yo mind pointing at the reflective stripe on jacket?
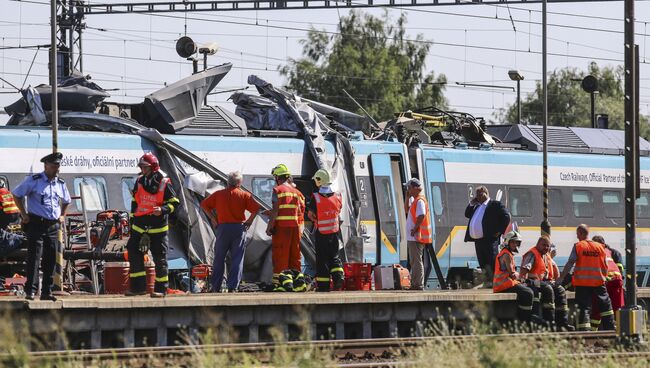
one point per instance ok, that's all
(327, 212)
(591, 267)
(8, 203)
(502, 280)
(290, 204)
(147, 201)
(423, 235)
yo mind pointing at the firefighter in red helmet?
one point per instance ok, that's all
(153, 200)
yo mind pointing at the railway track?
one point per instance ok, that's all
(347, 353)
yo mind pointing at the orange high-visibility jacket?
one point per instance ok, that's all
(147, 201)
(591, 266)
(553, 270)
(502, 280)
(540, 267)
(8, 203)
(327, 212)
(613, 272)
(423, 235)
(289, 205)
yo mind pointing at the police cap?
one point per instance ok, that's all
(53, 158)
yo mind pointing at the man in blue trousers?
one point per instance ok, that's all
(227, 209)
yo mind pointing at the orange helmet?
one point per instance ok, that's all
(148, 159)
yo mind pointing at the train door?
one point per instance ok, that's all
(435, 191)
(391, 216)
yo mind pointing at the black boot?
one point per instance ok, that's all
(562, 320)
(549, 315)
(608, 323)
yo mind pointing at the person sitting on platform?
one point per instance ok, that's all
(506, 278)
(536, 267)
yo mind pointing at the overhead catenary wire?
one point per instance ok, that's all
(448, 44)
(567, 55)
(480, 47)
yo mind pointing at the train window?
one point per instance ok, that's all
(127, 191)
(96, 198)
(386, 197)
(436, 195)
(613, 203)
(263, 188)
(519, 200)
(643, 206)
(555, 203)
(583, 203)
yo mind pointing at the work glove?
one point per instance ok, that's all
(145, 241)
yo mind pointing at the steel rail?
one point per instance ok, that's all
(341, 349)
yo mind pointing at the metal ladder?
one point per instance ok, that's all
(86, 224)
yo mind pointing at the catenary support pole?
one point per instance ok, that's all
(518, 101)
(53, 77)
(631, 318)
(58, 267)
(546, 225)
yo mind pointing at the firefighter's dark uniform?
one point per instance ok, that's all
(549, 294)
(589, 278)
(156, 188)
(326, 206)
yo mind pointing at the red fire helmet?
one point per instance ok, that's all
(148, 159)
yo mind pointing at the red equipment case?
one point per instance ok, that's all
(358, 276)
(402, 277)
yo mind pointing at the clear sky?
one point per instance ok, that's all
(472, 44)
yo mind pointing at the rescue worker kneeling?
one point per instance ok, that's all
(506, 277)
(536, 267)
(324, 210)
(154, 199)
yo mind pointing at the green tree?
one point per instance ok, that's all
(372, 59)
(570, 105)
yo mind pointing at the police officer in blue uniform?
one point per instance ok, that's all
(47, 199)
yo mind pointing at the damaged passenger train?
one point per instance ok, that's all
(370, 164)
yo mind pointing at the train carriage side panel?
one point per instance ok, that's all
(584, 188)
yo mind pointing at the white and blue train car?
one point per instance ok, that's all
(583, 188)
(107, 164)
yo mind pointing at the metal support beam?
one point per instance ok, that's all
(70, 25)
(242, 5)
(631, 319)
(546, 225)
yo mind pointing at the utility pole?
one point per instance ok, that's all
(631, 318)
(53, 75)
(546, 225)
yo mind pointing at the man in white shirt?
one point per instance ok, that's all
(488, 219)
(418, 231)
